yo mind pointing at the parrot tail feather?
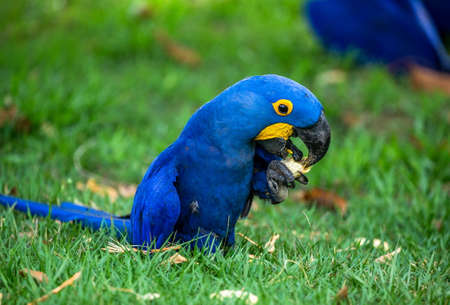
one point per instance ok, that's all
(67, 211)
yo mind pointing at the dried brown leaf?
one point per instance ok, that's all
(10, 191)
(437, 223)
(429, 80)
(342, 293)
(248, 239)
(10, 115)
(177, 51)
(99, 189)
(124, 190)
(116, 247)
(351, 119)
(165, 249)
(127, 190)
(416, 142)
(270, 245)
(388, 257)
(322, 198)
(175, 259)
(66, 283)
(37, 275)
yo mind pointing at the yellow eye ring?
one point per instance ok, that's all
(283, 107)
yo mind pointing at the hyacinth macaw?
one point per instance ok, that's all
(229, 150)
(396, 32)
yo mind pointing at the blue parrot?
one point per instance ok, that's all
(397, 32)
(229, 151)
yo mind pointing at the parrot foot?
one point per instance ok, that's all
(279, 179)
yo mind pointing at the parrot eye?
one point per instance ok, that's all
(283, 107)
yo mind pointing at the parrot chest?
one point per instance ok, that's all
(213, 187)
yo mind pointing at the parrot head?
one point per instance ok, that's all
(269, 109)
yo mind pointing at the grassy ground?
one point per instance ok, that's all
(90, 76)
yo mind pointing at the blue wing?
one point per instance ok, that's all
(156, 206)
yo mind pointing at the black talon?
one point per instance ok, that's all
(302, 179)
(281, 173)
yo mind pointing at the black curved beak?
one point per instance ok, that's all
(316, 138)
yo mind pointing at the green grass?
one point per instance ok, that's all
(91, 74)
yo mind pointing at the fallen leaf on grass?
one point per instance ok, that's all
(9, 114)
(387, 257)
(99, 189)
(176, 259)
(249, 297)
(1, 298)
(37, 275)
(248, 239)
(351, 119)
(342, 294)
(127, 190)
(437, 223)
(322, 198)
(180, 53)
(116, 247)
(10, 191)
(143, 297)
(429, 80)
(416, 142)
(124, 190)
(66, 283)
(270, 245)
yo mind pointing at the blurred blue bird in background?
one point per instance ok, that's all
(395, 32)
(229, 151)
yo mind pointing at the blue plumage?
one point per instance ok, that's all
(197, 188)
(397, 32)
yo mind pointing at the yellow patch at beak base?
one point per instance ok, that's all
(278, 130)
